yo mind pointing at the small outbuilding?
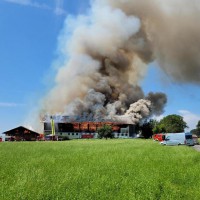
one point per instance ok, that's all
(22, 134)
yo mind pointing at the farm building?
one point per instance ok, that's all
(75, 130)
(21, 134)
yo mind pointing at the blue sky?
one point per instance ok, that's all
(28, 43)
(29, 31)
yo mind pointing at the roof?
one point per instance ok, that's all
(20, 129)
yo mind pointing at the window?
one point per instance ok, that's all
(47, 126)
(188, 136)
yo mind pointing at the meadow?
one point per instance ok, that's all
(118, 169)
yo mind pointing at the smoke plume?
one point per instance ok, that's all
(108, 52)
(171, 31)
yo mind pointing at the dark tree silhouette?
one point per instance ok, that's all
(105, 132)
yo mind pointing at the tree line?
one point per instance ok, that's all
(169, 124)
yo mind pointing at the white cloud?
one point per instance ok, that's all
(6, 104)
(190, 118)
(29, 3)
(24, 2)
(59, 8)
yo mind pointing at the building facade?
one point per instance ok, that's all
(77, 130)
(21, 134)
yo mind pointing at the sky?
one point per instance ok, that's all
(29, 34)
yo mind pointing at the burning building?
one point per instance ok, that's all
(76, 129)
(87, 124)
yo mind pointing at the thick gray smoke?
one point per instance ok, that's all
(171, 32)
(137, 111)
(108, 54)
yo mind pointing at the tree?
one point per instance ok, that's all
(173, 124)
(147, 128)
(159, 128)
(197, 130)
(198, 125)
(105, 132)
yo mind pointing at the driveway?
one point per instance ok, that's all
(197, 147)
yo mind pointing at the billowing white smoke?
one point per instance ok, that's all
(136, 112)
(98, 64)
(109, 49)
(139, 110)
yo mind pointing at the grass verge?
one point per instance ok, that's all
(98, 169)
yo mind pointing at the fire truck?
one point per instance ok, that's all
(159, 137)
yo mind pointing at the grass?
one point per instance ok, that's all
(98, 169)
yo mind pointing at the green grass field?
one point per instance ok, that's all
(98, 169)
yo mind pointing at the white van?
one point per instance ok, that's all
(178, 139)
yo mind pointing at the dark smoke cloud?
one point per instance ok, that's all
(157, 101)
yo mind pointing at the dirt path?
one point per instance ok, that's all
(197, 147)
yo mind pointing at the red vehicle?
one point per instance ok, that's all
(41, 137)
(159, 137)
(87, 136)
(1, 139)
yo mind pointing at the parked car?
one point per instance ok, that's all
(195, 139)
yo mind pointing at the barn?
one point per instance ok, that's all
(21, 134)
(76, 130)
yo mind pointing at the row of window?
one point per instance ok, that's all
(76, 134)
(118, 134)
(70, 133)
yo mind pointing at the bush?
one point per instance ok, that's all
(105, 132)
